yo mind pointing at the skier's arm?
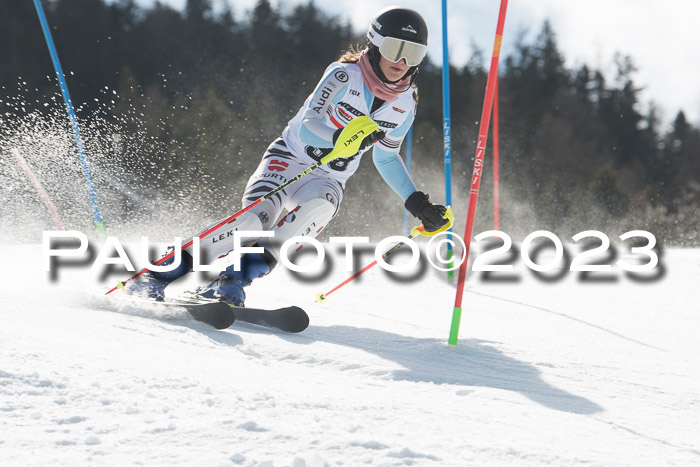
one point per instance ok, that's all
(390, 164)
(393, 170)
(315, 130)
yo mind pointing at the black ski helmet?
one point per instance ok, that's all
(397, 33)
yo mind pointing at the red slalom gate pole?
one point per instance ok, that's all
(478, 167)
(496, 196)
(39, 188)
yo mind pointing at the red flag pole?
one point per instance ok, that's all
(39, 188)
(478, 167)
(496, 197)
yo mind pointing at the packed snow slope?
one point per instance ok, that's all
(547, 372)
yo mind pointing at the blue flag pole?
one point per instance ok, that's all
(71, 113)
(446, 128)
(409, 140)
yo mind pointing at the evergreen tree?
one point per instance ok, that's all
(207, 92)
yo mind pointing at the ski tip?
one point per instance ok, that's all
(226, 317)
(288, 319)
(294, 320)
(299, 320)
(320, 298)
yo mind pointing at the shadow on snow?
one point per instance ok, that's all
(473, 363)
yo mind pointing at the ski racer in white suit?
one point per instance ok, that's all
(377, 81)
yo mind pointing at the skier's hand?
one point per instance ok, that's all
(371, 139)
(431, 215)
(367, 142)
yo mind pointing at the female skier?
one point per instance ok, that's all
(378, 82)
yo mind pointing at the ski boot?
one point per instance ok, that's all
(152, 284)
(228, 287)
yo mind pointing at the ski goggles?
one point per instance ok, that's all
(395, 49)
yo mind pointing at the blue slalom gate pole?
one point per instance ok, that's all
(446, 128)
(71, 113)
(409, 140)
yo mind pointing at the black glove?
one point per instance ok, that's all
(369, 139)
(372, 138)
(431, 215)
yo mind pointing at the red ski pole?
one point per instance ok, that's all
(419, 230)
(478, 167)
(321, 297)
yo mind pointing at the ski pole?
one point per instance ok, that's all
(347, 145)
(419, 230)
(321, 297)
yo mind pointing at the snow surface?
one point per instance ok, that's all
(562, 372)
